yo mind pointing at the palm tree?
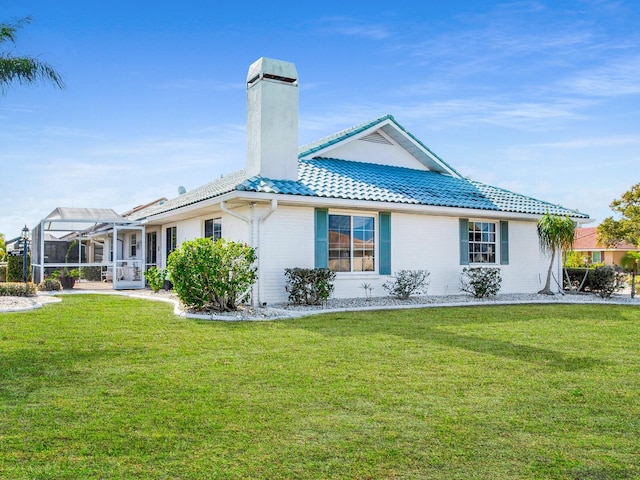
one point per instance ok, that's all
(555, 233)
(631, 263)
(23, 70)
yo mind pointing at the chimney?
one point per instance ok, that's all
(272, 119)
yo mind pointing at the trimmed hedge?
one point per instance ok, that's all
(481, 282)
(602, 280)
(50, 285)
(408, 282)
(14, 268)
(14, 289)
(309, 286)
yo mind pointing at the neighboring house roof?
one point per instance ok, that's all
(323, 177)
(158, 201)
(218, 187)
(586, 238)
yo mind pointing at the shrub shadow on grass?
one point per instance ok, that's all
(424, 326)
(514, 351)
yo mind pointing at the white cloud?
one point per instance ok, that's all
(355, 28)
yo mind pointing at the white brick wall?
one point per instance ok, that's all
(417, 242)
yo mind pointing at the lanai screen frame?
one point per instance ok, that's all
(77, 223)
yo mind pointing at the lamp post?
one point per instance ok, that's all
(25, 251)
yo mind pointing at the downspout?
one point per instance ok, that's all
(267, 214)
(253, 223)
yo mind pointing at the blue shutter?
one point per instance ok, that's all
(464, 241)
(321, 238)
(504, 243)
(384, 219)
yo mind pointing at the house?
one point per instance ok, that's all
(586, 242)
(365, 202)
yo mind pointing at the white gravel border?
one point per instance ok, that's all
(285, 311)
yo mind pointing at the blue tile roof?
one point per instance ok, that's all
(335, 178)
(439, 186)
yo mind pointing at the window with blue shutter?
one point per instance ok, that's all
(464, 241)
(384, 219)
(504, 243)
(321, 238)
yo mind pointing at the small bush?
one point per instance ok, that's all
(155, 278)
(17, 290)
(50, 285)
(481, 282)
(309, 286)
(66, 273)
(407, 283)
(212, 276)
(91, 274)
(606, 281)
(577, 277)
(3, 272)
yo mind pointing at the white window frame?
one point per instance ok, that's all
(352, 258)
(217, 221)
(133, 245)
(484, 240)
(168, 248)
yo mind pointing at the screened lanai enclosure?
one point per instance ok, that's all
(98, 243)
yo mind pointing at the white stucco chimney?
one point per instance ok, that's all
(272, 119)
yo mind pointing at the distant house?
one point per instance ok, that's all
(586, 242)
(365, 202)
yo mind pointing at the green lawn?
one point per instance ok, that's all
(113, 387)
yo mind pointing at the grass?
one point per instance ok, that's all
(111, 387)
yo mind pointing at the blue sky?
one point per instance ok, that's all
(539, 97)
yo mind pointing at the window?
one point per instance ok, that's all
(482, 242)
(133, 245)
(596, 257)
(351, 243)
(172, 239)
(213, 229)
(152, 245)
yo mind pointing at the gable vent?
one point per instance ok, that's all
(375, 137)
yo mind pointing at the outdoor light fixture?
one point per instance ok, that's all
(25, 244)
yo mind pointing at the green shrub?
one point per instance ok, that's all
(50, 285)
(577, 279)
(15, 266)
(65, 272)
(575, 259)
(309, 286)
(481, 282)
(3, 272)
(407, 283)
(12, 289)
(155, 278)
(606, 280)
(210, 275)
(91, 274)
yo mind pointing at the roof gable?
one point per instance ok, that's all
(382, 141)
